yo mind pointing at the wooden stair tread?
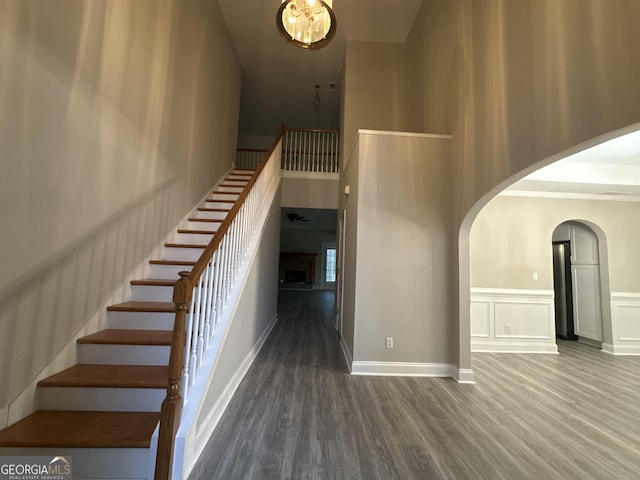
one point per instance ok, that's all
(184, 245)
(109, 376)
(173, 262)
(128, 337)
(204, 209)
(205, 220)
(219, 192)
(72, 429)
(133, 306)
(183, 230)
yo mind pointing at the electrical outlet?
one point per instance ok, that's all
(507, 329)
(535, 276)
(389, 342)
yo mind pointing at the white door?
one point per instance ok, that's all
(586, 301)
(585, 278)
(339, 270)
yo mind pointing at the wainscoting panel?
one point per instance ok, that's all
(625, 312)
(510, 320)
(481, 315)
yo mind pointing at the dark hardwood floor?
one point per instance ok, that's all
(298, 414)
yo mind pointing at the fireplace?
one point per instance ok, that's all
(297, 270)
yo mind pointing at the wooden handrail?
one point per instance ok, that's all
(182, 294)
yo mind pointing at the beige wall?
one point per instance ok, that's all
(310, 192)
(373, 90)
(507, 246)
(401, 248)
(115, 117)
(515, 82)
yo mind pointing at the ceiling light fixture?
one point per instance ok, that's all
(308, 24)
(316, 97)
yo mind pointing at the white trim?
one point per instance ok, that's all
(403, 134)
(511, 292)
(626, 335)
(621, 349)
(403, 369)
(482, 346)
(465, 376)
(348, 358)
(625, 296)
(311, 175)
(491, 323)
(206, 428)
(569, 196)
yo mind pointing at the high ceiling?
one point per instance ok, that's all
(610, 170)
(278, 80)
(278, 85)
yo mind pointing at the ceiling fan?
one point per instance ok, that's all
(295, 217)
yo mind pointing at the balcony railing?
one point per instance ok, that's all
(303, 150)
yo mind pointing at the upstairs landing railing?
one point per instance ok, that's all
(200, 297)
(303, 150)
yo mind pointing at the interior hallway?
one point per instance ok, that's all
(298, 414)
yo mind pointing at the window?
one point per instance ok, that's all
(329, 258)
(330, 262)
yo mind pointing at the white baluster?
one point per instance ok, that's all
(209, 301)
(202, 301)
(217, 288)
(195, 328)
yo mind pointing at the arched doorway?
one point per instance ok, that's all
(577, 271)
(537, 275)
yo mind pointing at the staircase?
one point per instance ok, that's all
(104, 411)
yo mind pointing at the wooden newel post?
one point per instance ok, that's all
(172, 404)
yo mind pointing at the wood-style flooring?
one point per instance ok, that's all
(298, 414)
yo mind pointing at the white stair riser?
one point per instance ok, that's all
(230, 189)
(94, 463)
(228, 197)
(211, 215)
(101, 399)
(213, 226)
(141, 320)
(186, 254)
(99, 354)
(169, 272)
(194, 238)
(151, 293)
(217, 204)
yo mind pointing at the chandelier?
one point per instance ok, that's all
(308, 24)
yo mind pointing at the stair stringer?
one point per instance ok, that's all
(26, 402)
(194, 430)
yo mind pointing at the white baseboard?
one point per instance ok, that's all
(464, 375)
(206, 428)
(621, 349)
(402, 369)
(512, 347)
(348, 358)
